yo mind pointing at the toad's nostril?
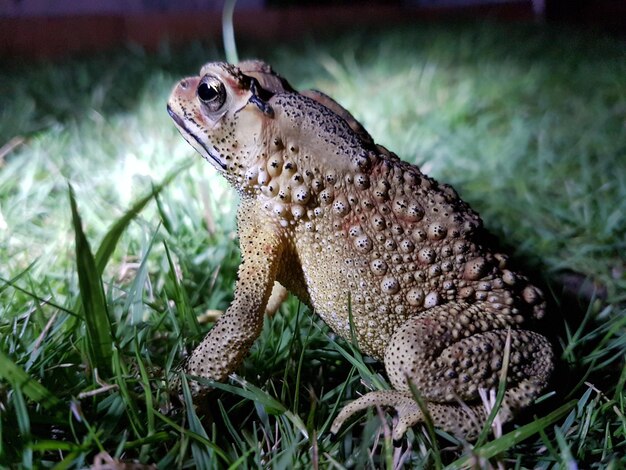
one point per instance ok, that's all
(184, 85)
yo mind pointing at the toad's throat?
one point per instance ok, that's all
(186, 133)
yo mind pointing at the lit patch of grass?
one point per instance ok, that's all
(528, 125)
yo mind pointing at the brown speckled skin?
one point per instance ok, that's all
(340, 221)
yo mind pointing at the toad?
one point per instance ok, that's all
(384, 254)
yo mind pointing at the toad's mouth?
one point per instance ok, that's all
(197, 144)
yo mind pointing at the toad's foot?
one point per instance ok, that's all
(465, 421)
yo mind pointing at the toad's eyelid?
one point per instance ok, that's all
(211, 81)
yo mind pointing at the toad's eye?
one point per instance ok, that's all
(211, 93)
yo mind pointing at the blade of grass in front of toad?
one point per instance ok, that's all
(427, 422)
(201, 454)
(514, 437)
(99, 333)
(500, 391)
(364, 371)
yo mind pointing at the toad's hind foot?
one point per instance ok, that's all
(463, 421)
(409, 413)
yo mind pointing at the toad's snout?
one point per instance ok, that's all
(185, 90)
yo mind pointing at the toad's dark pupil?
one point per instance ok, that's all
(206, 92)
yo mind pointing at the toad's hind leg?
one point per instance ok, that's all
(448, 356)
(463, 420)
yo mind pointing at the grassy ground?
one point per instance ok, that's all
(529, 125)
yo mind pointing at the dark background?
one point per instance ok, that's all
(56, 28)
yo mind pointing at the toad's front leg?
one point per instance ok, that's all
(224, 347)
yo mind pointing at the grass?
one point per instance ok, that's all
(100, 288)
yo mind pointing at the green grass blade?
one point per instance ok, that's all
(23, 425)
(130, 404)
(41, 300)
(145, 383)
(500, 392)
(135, 295)
(110, 239)
(201, 438)
(67, 462)
(19, 378)
(364, 371)
(234, 433)
(11, 282)
(201, 456)
(99, 333)
(154, 438)
(259, 396)
(51, 445)
(180, 298)
(428, 423)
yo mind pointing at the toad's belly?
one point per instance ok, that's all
(345, 293)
